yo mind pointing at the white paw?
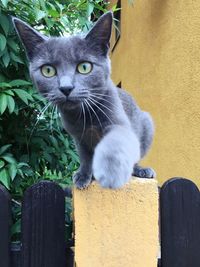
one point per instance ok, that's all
(111, 172)
(113, 162)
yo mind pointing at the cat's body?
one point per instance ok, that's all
(110, 131)
(126, 113)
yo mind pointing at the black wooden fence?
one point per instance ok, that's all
(180, 223)
(43, 243)
(43, 229)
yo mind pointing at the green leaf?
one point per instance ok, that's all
(16, 58)
(2, 77)
(2, 163)
(54, 13)
(42, 3)
(9, 159)
(19, 83)
(4, 85)
(4, 2)
(10, 103)
(12, 44)
(64, 157)
(3, 103)
(23, 95)
(12, 170)
(2, 42)
(40, 14)
(16, 227)
(9, 92)
(21, 173)
(73, 155)
(4, 178)
(90, 8)
(48, 157)
(6, 59)
(22, 164)
(54, 141)
(4, 148)
(4, 22)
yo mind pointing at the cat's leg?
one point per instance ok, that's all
(114, 157)
(83, 177)
(141, 172)
(147, 133)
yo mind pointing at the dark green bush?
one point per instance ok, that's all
(33, 144)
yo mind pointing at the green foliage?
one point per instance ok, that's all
(33, 144)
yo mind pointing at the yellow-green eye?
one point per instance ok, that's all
(84, 67)
(48, 71)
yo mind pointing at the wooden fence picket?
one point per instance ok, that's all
(5, 222)
(180, 224)
(43, 226)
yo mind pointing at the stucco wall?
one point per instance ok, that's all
(117, 228)
(158, 61)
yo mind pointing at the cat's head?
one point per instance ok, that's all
(68, 70)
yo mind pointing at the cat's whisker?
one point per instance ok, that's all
(99, 103)
(51, 118)
(104, 97)
(101, 98)
(27, 107)
(84, 120)
(56, 100)
(46, 94)
(94, 114)
(79, 115)
(53, 97)
(97, 88)
(91, 100)
(100, 94)
(58, 125)
(86, 103)
(38, 119)
(83, 93)
(43, 110)
(88, 109)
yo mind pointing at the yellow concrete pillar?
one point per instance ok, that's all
(117, 228)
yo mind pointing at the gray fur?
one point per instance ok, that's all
(110, 131)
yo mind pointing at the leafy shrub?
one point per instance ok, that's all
(33, 144)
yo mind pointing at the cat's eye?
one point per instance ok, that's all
(84, 67)
(48, 71)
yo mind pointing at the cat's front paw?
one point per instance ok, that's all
(111, 171)
(143, 172)
(106, 180)
(82, 180)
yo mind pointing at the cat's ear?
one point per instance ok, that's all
(100, 34)
(29, 37)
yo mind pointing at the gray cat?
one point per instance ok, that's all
(111, 132)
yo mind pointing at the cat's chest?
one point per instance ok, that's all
(84, 131)
(92, 136)
(85, 128)
(88, 134)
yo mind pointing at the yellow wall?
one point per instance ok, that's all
(158, 61)
(117, 228)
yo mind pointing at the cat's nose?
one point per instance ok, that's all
(66, 90)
